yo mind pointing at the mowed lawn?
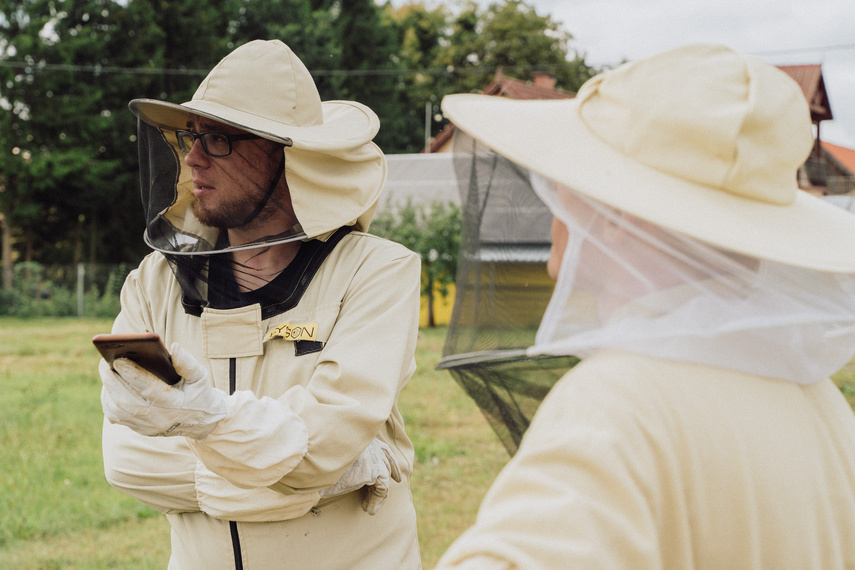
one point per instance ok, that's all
(58, 511)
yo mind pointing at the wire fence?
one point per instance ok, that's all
(82, 290)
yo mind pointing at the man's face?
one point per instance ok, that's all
(559, 245)
(229, 188)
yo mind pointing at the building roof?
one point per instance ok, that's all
(845, 157)
(419, 178)
(809, 78)
(542, 87)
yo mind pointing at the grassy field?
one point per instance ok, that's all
(58, 512)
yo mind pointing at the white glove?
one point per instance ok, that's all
(371, 470)
(136, 398)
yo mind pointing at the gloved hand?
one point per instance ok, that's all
(136, 398)
(371, 470)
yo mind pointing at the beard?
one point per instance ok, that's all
(237, 212)
(228, 214)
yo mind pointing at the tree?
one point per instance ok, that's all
(433, 232)
(306, 26)
(68, 156)
(422, 33)
(461, 52)
(70, 183)
(369, 57)
(511, 36)
(45, 130)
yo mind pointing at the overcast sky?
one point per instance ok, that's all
(783, 32)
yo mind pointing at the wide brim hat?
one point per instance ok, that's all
(334, 171)
(701, 140)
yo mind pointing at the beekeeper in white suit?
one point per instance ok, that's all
(294, 331)
(700, 429)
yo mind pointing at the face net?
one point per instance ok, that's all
(629, 284)
(502, 291)
(193, 247)
(624, 284)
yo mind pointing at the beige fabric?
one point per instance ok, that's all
(335, 535)
(263, 87)
(374, 469)
(637, 463)
(345, 395)
(700, 139)
(232, 333)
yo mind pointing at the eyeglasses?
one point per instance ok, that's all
(214, 144)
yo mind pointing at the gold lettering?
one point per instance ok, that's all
(287, 331)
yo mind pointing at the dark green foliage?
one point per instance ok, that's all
(432, 231)
(42, 291)
(369, 55)
(69, 187)
(460, 52)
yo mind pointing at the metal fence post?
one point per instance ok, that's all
(81, 274)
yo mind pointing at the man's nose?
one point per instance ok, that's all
(197, 155)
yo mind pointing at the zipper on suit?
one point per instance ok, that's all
(232, 524)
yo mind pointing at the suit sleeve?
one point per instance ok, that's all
(159, 472)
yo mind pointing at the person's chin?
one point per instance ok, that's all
(204, 215)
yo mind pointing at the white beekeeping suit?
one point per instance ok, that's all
(709, 299)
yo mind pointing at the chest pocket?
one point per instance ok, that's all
(232, 333)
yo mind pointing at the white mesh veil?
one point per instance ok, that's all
(627, 284)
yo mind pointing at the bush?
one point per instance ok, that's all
(52, 291)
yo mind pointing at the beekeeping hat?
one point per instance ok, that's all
(333, 169)
(701, 140)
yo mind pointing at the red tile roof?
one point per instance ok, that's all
(809, 78)
(511, 88)
(523, 90)
(844, 156)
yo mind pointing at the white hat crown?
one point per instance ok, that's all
(732, 121)
(700, 139)
(265, 79)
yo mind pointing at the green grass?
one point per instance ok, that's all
(845, 380)
(52, 486)
(58, 511)
(457, 453)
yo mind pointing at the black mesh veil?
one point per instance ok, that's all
(502, 292)
(191, 247)
(159, 169)
(166, 186)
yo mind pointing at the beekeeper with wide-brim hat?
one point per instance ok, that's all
(709, 299)
(333, 169)
(292, 329)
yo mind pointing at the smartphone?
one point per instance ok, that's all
(146, 349)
